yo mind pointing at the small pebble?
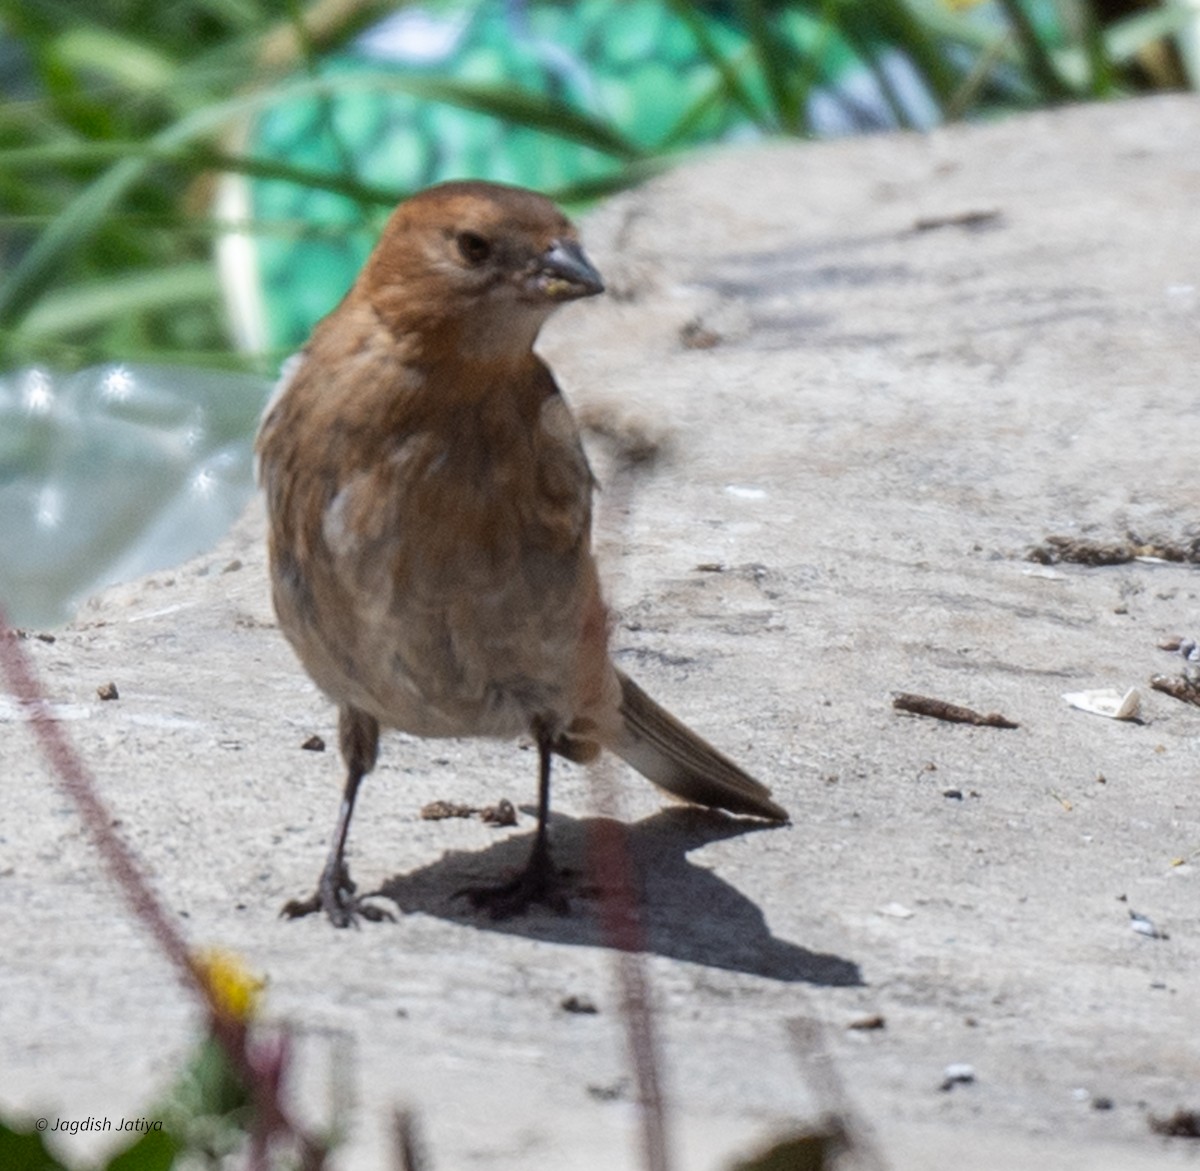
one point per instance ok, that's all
(313, 744)
(441, 810)
(610, 1093)
(108, 691)
(502, 813)
(1182, 1124)
(695, 336)
(582, 1005)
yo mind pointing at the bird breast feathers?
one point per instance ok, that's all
(436, 509)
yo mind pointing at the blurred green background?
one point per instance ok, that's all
(185, 188)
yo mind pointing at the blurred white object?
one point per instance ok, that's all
(1189, 651)
(115, 471)
(1105, 701)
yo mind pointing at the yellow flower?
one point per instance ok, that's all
(234, 991)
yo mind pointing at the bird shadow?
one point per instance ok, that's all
(687, 912)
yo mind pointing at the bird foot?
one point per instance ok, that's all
(335, 895)
(539, 882)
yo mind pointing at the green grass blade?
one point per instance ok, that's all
(1127, 37)
(965, 96)
(1096, 64)
(865, 48)
(728, 71)
(893, 23)
(193, 158)
(774, 61)
(75, 308)
(1101, 73)
(1038, 61)
(131, 64)
(519, 107)
(701, 107)
(38, 267)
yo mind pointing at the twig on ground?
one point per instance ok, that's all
(940, 709)
(1177, 687)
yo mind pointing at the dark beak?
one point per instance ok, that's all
(564, 273)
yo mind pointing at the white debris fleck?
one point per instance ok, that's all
(957, 1073)
(1144, 925)
(1189, 651)
(746, 491)
(1108, 702)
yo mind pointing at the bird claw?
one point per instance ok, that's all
(537, 883)
(335, 895)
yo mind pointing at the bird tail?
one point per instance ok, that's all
(670, 754)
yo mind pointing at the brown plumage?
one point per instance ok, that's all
(430, 520)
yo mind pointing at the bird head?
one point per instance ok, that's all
(477, 265)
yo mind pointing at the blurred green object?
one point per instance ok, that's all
(113, 472)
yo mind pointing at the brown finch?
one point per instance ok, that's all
(430, 521)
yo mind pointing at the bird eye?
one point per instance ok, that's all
(473, 248)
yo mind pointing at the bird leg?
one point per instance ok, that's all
(539, 881)
(335, 893)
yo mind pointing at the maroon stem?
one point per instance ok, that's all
(612, 869)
